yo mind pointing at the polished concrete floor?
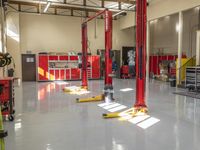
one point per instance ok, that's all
(48, 119)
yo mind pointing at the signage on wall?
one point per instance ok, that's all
(30, 59)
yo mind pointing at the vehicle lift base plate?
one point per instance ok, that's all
(135, 111)
(90, 99)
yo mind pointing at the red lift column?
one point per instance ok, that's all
(108, 89)
(141, 8)
(84, 56)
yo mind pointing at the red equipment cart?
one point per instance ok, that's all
(7, 97)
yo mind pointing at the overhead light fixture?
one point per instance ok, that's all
(118, 13)
(123, 12)
(47, 6)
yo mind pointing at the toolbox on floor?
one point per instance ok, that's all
(7, 97)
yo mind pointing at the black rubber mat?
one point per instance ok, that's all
(189, 94)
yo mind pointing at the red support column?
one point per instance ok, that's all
(84, 56)
(108, 89)
(141, 8)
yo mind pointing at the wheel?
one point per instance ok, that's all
(11, 118)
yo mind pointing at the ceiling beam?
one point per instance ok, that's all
(79, 7)
(84, 2)
(119, 5)
(52, 6)
(123, 1)
(102, 3)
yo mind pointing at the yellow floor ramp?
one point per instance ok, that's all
(90, 99)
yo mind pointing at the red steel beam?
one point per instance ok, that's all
(95, 16)
(141, 19)
(108, 88)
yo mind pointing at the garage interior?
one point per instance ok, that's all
(100, 75)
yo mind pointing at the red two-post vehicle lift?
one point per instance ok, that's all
(108, 89)
(139, 107)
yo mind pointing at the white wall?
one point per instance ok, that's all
(127, 21)
(13, 40)
(49, 33)
(58, 33)
(160, 8)
(163, 34)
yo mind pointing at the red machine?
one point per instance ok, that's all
(108, 89)
(141, 19)
(7, 97)
(125, 72)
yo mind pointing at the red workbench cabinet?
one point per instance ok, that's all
(73, 58)
(47, 72)
(7, 97)
(62, 74)
(68, 74)
(43, 74)
(75, 74)
(95, 62)
(52, 74)
(63, 58)
(53, 57)
(57, 74)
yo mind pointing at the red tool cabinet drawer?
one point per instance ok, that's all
(67, 74)
(57, 74)
(52, 74)
(73, 58)
(75, 73)
(53, 57)
(63, 57)
(62, 74)
(43, 68)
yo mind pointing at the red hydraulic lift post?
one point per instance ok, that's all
(108, 89)
(141, 19)
(84, 56)
(84, 50)
(139, 107)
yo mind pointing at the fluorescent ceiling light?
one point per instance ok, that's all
(47, 6)
(118, 13)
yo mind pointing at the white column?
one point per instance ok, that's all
(198, 48)
(180, 39)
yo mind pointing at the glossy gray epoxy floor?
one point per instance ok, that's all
(48, 119)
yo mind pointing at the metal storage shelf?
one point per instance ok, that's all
(192, 80)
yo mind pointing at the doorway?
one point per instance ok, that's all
(28, 67)
(125, 51)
